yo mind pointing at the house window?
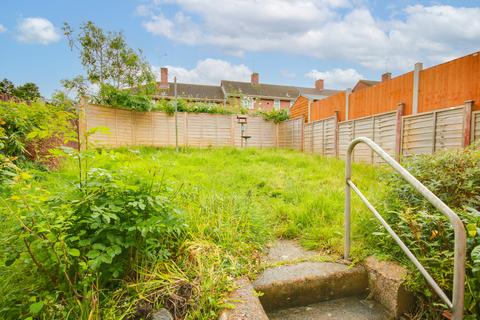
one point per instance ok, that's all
(248, 103)
(276, 104)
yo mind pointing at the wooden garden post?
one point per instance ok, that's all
(398, 131)
(467, 132)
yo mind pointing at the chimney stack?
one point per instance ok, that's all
(386, 76)
(255, 78)
(319, 84)
(163, 78)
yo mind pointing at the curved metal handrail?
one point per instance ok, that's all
(460, 237)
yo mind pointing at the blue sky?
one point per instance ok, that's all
(286, 41)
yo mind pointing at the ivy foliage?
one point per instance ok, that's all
(276, 116)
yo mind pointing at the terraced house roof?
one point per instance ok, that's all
(237, 88)
(191, 91)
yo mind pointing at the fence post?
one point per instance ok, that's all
(416, 82)
(302, 129)
(336, 136)
(309, 110)
(185, 132)
(276, 134)
(347, 103)
(398, 131)
(467, 125)
(82, 124)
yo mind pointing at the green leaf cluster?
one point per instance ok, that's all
(454, 176)
(81, 241)
(276, 116)
(168, 106)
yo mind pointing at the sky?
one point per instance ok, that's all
(290, 42)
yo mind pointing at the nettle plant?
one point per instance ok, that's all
(88, 236)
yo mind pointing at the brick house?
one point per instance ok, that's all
(254, 95)
(251, 95)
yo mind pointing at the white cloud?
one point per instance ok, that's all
(37, 30)
(2, 28)
(324, 29)
(336, 78)
(209, 71)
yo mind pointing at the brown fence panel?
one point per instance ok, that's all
(345, 136)
(320, 137)
(308, 138)
(428, 132)
(327, 107)
(300, 108)
(476, 126)
(262, 133)
(385, 128)
(290, 134)
(450, 84)
(380, 128)
(126, 127)
(383, 97)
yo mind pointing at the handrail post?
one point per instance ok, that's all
(347, 213)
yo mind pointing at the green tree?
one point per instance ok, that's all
(107, 59)
(28, 92)
(7, 87)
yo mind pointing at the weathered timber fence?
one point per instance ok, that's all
(380, 128)
(126, 128)
(398, 135)
(320, 137)
(290, 134)
(476, 126)
(432, 131)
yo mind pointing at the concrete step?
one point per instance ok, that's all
(309, 282)
(350, 308)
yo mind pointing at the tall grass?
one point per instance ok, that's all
(234, 202)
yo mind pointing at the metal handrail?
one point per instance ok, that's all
(456, 305)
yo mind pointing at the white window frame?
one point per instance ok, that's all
(248, 102)
(277, 104)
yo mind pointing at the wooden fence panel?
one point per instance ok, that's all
(427, 132)
(380, 128)
(262, 133)
(476, 126)
(128, 127)
(345, 136)
(449, 129)
(290, 134)
(308, 138)
(318, 141)
(385, 128)
(320, 137)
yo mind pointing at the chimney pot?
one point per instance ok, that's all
(386, 76)
(163, 77)
(319, 84)
(255, 78)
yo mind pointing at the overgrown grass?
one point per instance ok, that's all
(234, 202)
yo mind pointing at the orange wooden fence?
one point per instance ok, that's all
(442, 86)
(327, 107)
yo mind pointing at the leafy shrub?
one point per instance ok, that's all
(28, 130)
(274, 115)
(195, 107)
(454, 176)
(111, 96)
(85, 240)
